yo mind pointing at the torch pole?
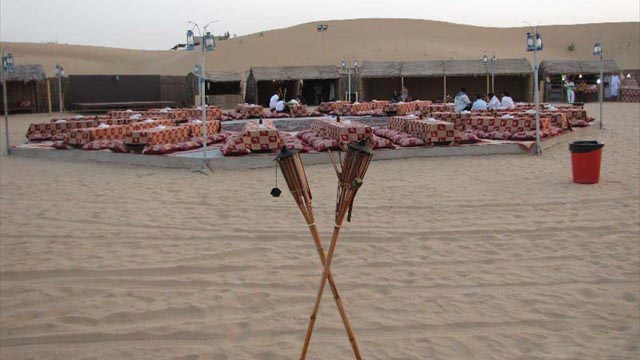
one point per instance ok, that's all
(6, 112)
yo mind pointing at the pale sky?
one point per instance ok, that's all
(159, 24)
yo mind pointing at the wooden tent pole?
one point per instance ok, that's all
(49, 95)
(444, 93)
(487, 84)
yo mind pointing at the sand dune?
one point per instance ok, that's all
(497, 257)
(364, 39)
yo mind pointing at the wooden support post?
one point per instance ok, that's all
(487, 84)
(444, 91)
(49, 96)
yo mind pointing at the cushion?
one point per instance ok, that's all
(61, 145)
(118, 146)
(97, 145)
(498, 135)
(234, 146)
(467, 137)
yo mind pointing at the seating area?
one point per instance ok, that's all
(163, 131)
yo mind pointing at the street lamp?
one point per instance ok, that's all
(321, 28)
(207, 43)
(7, 64)
(534, 43)
(597, 51)
(59, 75)
(349, 65)
(494, 60)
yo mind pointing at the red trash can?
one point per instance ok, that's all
(586, 157)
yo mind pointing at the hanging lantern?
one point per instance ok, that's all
(7, 62)
(539, 42)
(597, 49)
(343, 64)
(196, 69)
(494, 59)
(209, 42)
(485, 59)
(191, 41)
(530, 45)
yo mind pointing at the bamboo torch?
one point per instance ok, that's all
(350, 178)
(296, 178)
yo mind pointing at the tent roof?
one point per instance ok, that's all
(295, 72)
(371, 69)
(25, 73)
(222, 76)
(570, 67)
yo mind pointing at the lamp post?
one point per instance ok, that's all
(534, 43)
(597, 51)
(59, 75)
(349, 65)
(321, 28)
(207, 43)
(485, 60)
(7, 64)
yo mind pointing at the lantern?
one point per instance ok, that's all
(539, 44)
(485, 59)
(7, 62)
(530, 45)
(191, 42)
(597, 49)
(209, 42)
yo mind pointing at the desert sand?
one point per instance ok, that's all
(360, 39)
(491, 257)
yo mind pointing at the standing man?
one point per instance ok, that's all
(615, 85)
(571, 94)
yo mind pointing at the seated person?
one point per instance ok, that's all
(507, 101)
(396, 97)
(274, 99)
(301, 100)
(479, 104)
(494, 102)
(462, 101)
(280, 106)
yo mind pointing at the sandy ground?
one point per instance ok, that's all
(359, 39)
(496, 257)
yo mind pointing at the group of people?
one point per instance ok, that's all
(403, 96)
(278, 103)
(490, 102)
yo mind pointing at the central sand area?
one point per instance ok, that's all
(496, 257)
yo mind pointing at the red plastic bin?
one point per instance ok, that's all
(586, 157)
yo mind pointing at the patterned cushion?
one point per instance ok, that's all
(61, 145)
(160, 149)
(96, 145)
(468, 137)
(526, 135)
(382, 143)
(234, 146)
(118, 146)
(499, 135)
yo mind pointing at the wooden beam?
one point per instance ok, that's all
(49, 96)
(487, 84)
(444, 92)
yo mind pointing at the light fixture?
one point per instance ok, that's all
(580, 76)
(598, 81)
(485, 59)
(629, 76)
(355, 64)
(343, 64)
(59, 70)
(322, 27)
(196, 69)
(530, 46)
(494, 59)
(191, 42)
(597, 49)
(7, 61)
(539, 44)
(209, 42)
